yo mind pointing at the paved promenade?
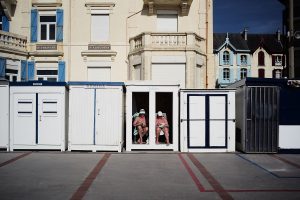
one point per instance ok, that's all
(148, 175)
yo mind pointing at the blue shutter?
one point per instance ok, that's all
(249, 72)
(248, 60)
(61, 71)
(31, 70)
(5, 24)
(59, 25)
(23, 70)
(221, 58)
(231, 72)
(231, 58)
(238, 59)
(238, 74)
(34, 22)
(220, 80)
(2, 67)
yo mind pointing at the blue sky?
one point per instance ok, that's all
(260, 16)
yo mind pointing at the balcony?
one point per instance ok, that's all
(184, 5)
(166, 42)
(13, 43)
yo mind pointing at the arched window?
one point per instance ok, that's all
(226, 74)
(261, 73)
(261, 58)
(226, 57)
(243, 73)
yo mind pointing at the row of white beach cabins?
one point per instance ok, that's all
(98, 116)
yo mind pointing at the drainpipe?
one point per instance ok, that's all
(291, 35)
(206, 73)
(127, 60)
(70, 41)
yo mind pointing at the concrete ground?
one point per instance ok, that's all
(148, 175)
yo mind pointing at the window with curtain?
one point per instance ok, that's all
(277, 73)
(261, 58)
(243, 60)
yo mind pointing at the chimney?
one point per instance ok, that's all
(278, 35)
(245, 33)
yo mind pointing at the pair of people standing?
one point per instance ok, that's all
(161, 124)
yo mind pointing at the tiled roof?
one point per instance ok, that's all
(268, 41)
(234, 38)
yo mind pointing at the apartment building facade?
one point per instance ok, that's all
(115, 40)
(240, 55)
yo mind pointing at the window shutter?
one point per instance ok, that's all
(61, 71)
(220, 75)
(231, 58)
(59, 25)
(248, 60)
(30, 70)
(238, 59)
(238, 74)
(249, 72)
(34, 21)
(273, 60)
(23, 70)
(5, 24)
(221, 58)
(283, 60)
(2, 67)
(231, 74)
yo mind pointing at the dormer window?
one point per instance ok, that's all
(243, 73)
(226, 74)
(226, 58)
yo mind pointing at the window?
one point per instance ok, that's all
(226, 58)
(47, 74)
(276, 60)
(167, 21)
(277, 73)
(11, 75)
(261, 73)
(47, 26)
(99, 25)
(243, 73)
(99, 73)
(261, 58)
(243, 60)
(226, 74)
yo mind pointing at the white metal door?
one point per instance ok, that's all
(82, 115)
(108, 116)
(217, 120)
(24, 119)
(49, 119)
(197, 119)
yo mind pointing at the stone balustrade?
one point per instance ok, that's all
(13, 42)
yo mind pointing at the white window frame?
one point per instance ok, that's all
(243, 73)
(278, 60)
(104, 12)
(226, 61)
(45, 77)
(244, 60)
(226, 75)
(46, 13)
(162, 13)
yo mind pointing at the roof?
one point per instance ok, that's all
(235, 39)
(268, 41)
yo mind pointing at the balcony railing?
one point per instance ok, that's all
(12, 42)
(165, 41)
